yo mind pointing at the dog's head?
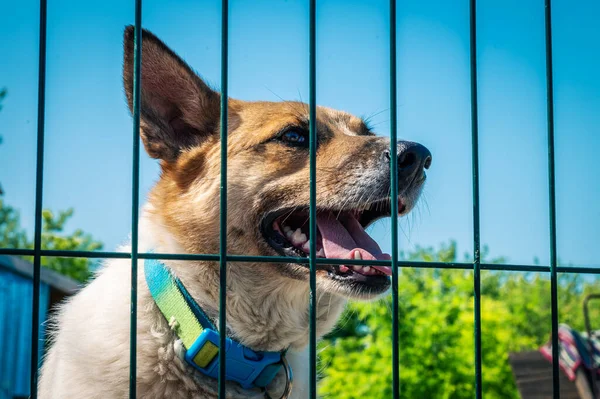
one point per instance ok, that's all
(268, 174)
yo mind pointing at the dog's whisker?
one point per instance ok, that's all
(290, 104)
(379, 123)
(342, 207)
(403, 231)
(367, 119)
(290, 213)
(329, 306)
(427, 204)
(300, 96)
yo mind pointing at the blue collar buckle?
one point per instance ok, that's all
(250, 369)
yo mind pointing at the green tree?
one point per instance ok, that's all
(436, 332)
(12, 235)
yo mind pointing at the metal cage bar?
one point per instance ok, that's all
(282, 259)
(476, 213)
(222, 257)
(319, 261)
(312, 104)
(39, 191)
(552, 197)
(394, 203)
(135, 190)
(223, 204)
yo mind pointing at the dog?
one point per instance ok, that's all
(268, 198)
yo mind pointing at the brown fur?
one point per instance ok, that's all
(180, 126)
(267, 303)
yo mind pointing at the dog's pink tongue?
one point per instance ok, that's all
(341, 241)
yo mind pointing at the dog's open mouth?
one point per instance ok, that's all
(340, 235)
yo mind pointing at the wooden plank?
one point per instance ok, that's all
(583, 386)
(533, 376)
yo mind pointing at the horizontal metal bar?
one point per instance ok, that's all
(17, 251)
(578, 269)
(65, 254)
(515, 268)
(85, 254)
(285, 259)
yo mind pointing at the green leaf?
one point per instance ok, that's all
(12, 235)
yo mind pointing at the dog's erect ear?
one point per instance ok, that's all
(178, 110)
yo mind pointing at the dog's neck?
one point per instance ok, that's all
(262, 313)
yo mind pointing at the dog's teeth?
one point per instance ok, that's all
(357, 255)
(286, 229)
(320, 253)
(298, 237)
(357, 268)
(306, 246)
(343, 269)
(367, 269)
(289, 233)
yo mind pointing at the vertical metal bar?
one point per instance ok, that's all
(312, 342)
(394, 203)
(39, 181)
(223, 221)
(552, 198)
(135, 189)
(476, 224)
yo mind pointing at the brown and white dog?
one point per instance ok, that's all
(268, 197)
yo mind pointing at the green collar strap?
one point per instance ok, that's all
(200, 336)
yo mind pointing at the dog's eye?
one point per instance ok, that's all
(294, 137)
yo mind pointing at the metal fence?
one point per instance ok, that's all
(222, 257)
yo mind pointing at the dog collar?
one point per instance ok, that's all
(251, 369)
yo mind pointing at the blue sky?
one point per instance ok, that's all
(88, 128)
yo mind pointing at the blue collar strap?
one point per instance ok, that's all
(251, 369)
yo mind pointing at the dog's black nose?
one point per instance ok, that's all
(412, 158)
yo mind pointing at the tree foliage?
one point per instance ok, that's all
(436, 331)
(12, 235)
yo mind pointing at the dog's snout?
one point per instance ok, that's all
(412, 158)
